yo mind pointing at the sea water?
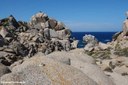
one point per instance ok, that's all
(101, 36)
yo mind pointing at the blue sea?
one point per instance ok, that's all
(101, 36)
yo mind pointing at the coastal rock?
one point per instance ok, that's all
(39, 17)
(25, 39)
(118, 79)
(52, 23)
(103, 46)
(74, 44)
(107, 65)
(12, 21)
(59, 26)
(92, 71)
(123, 70)
(53, 33)
(47, 33)
(45, 71)
(91, 42)
(67, 57)
(19, 49)
(125, 28)
(64, 34)
(3, 32)
(123, 35)
(65, 44)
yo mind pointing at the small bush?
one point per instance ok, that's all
(102, 54)
(122, 52)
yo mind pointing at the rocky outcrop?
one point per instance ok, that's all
(112, 58)
(41, 70)
(91, 42)
(25, 39)
(78, 59)
(125, 28)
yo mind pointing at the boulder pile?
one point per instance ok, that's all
(93, 44)
(20, 39)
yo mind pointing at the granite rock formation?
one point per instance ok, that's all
(20, 39)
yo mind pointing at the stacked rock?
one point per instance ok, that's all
(19, 39)
(91, 42)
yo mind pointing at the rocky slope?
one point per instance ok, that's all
(112, 57)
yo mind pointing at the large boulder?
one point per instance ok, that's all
(52, 23)
(4, 32)
(64, 34)
(59, 26)
(74, 44)
(122, 70)
(118, 79)
(39, 17)
(67, 57)
(78, 59)
(53, 33)
(93, 72)
(91, 42)
(12, 21)
(44, 71)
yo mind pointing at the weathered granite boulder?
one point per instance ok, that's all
(64, 34)
(39, 17)
(91, 42)
(125, 28)
(122, 70)
(123, 35)
(67, 57)
(78, 59)
(53, 33)
(93, 71)
(118, 79)
(74, 44)
(3, 31)
(103, 46)
(42, 70)
(12, 21)
(19, 49)
(52, 23)
(59, 26)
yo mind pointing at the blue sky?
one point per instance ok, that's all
(78, 15)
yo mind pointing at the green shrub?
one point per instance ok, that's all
(122, 52)
(102, 54)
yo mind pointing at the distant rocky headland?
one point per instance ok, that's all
(42, 52)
